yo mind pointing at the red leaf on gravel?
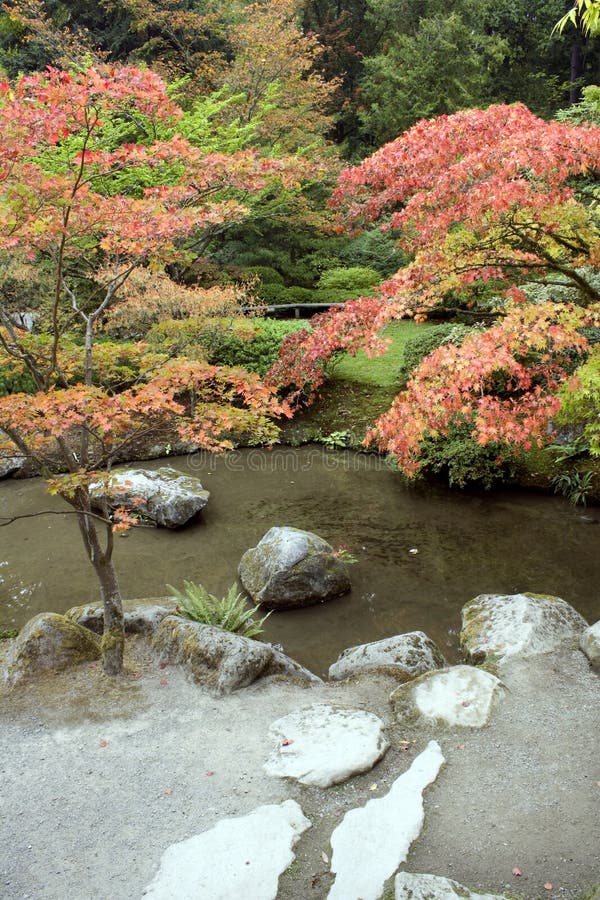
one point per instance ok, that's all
(547, 886)
(208, 774)
(163, 682)
(516, 872)
(162, 665)
(286, 743)
(103, 743)
(168, 791)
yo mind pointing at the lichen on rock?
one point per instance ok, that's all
(49, 641)
(292, 568)
(505, 625)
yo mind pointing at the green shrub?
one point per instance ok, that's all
(297, 294)
(375, 249)
(270, 293)
(463, 461)
(15, 382)
(427, 340)
(357, 278)
(266, 274)
(333, 295)
(229, 613)
(260, 352)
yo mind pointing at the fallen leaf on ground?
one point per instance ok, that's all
(373, 787)
(516, 872)
(324, 857)
(547, 886)
(103, 743)
(286, 743)
(162, 665)
(208, 774)
(163, 682)
(168, 791)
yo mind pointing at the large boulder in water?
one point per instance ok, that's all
(49, 641)
(164, 496)
(498, 626)
(405, 656)
(291, 568)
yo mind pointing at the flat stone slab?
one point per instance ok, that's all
(404, 656)
(589, 643)
(324, 745)
(163, 496)
(498, 626)
(458, 696)
(240, 857)
(371, 842)
(411, 886)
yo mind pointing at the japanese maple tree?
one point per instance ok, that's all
(62, 170)
(485, 203)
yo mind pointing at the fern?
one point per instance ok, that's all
(229, 613)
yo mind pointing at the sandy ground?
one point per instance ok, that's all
(100, 776)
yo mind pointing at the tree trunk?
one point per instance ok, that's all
(113, 638)
(577, 68)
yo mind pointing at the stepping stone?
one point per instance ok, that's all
(459, 695)
(409, 886)
(239, 857)
(324, 745)
(371, 842)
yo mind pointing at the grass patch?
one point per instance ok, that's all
(380, 370)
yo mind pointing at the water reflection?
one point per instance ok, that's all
(467, 544)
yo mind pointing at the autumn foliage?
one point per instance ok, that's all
(484, 203)
(92, 205)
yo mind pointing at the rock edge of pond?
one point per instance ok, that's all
(102, 775)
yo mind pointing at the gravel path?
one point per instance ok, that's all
(100, 776)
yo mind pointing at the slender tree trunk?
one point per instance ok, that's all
(113, 637)
(577, 67)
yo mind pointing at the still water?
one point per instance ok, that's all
(467, 543)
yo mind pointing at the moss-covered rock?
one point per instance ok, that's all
(291, 568)
(140, 616)
(498, 626)
(221, 660)
(405, 656)
(49, 641)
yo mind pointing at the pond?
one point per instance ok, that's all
(466, 543)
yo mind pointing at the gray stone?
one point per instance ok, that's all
(589, 642)
(458, 696)
(281, 664)
(372, 841)
(139, 616)
(239, 857)
(292, 568)
(405, 656)
(163, 496)
(324, 745)
(11, 464)
(48, 641)
(411, 886)
(497, 626)
(217, 658)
